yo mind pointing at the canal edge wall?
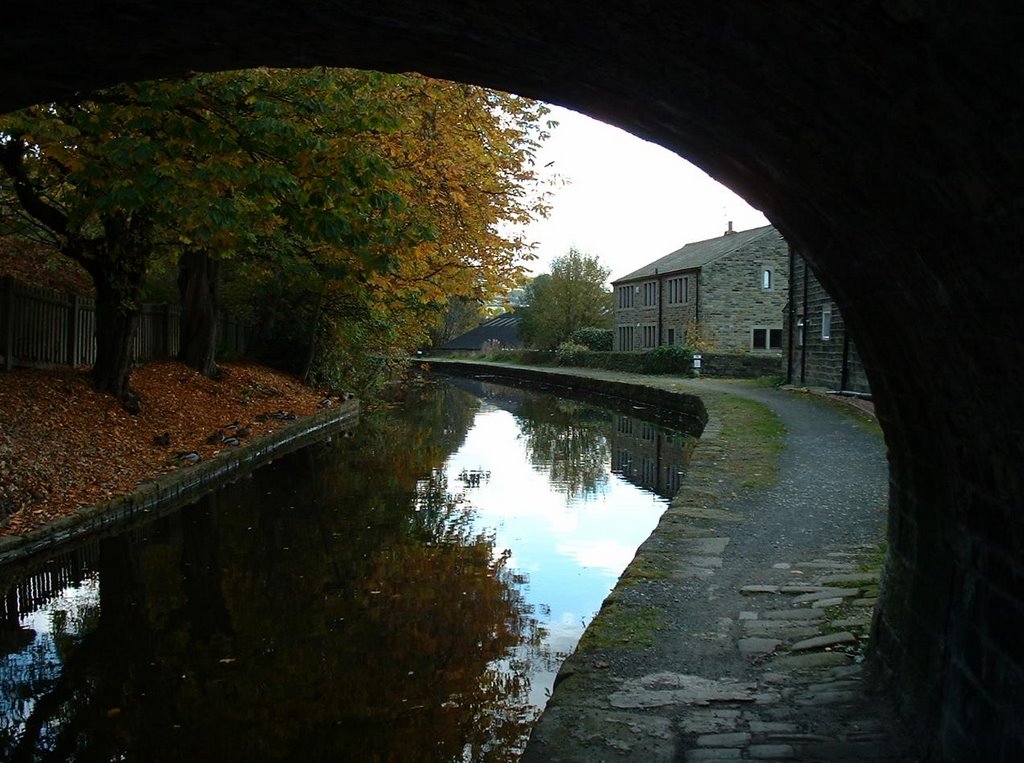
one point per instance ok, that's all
(683, 402)
(178, 488)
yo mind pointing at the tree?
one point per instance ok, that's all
(462, 163)
(572, 296)
(380, 193)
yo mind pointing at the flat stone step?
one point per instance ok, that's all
(801, 588)
(785, 630)
(852, 577)
(833, 602)
(811, 660)
(820, 642)
(826, 593)
(755, 645)
(792, 614)
(748, 590)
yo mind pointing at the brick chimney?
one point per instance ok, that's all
(730, 231)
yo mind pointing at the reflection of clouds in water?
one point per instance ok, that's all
(569, 545)
(608, 555)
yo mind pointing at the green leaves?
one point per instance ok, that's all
(572, 296)
(386, 191)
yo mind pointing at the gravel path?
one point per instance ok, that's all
(833, 480)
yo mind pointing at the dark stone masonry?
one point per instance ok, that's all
(883, 139)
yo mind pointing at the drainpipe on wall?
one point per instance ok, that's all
(696, 298)
(657, 280)
(803, 319)
(790, 320)
(844, 375)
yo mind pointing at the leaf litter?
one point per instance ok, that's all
(64, 446)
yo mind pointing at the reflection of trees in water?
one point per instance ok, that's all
(570, 440)
(304, 614)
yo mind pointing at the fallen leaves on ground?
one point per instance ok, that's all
(64, 446)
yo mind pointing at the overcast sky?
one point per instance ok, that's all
(627, 201)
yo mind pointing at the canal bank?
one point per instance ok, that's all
(171, 491)
(739, 630)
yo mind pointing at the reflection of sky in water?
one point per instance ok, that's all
(40, 662)
(572, 549)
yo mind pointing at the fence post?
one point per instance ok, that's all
(74, 329)
(8, 323)
(169, 350)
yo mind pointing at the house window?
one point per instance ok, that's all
(679, 290)
(625, 296)
(766, 279)
(826, 323)
(650, 336)
(671, 336)
(625, 338)
(767, 339)
(651, 293)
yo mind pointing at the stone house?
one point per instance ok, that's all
(819, 351)
(728, 292)
(649, 456)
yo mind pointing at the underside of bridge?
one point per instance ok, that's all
(884, 139)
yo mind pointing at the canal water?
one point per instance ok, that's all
(403, 592)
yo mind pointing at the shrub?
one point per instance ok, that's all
(593, 338)
(571, 354)
(668, 359)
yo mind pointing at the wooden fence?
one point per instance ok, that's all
(41, 327)
(34, 591)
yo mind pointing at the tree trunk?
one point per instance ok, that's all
(117, 269)
(117, 318)
(200, 311)
(311, 355)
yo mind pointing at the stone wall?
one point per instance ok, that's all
(677, 316)
(733, 300)
(741, 365)
(637, 316)
(814, 360)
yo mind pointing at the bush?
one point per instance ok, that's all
(593, 338)
(660, 360)
(668, 359)
(571, 354)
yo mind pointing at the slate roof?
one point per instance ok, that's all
(700, 253)
(504, 329)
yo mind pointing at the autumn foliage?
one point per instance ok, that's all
(348, 208)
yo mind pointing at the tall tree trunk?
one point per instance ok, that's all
(117, 271)
(314, 324)
(117, 318)
(200, 311)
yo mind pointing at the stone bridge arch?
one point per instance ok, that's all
(885, 139)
